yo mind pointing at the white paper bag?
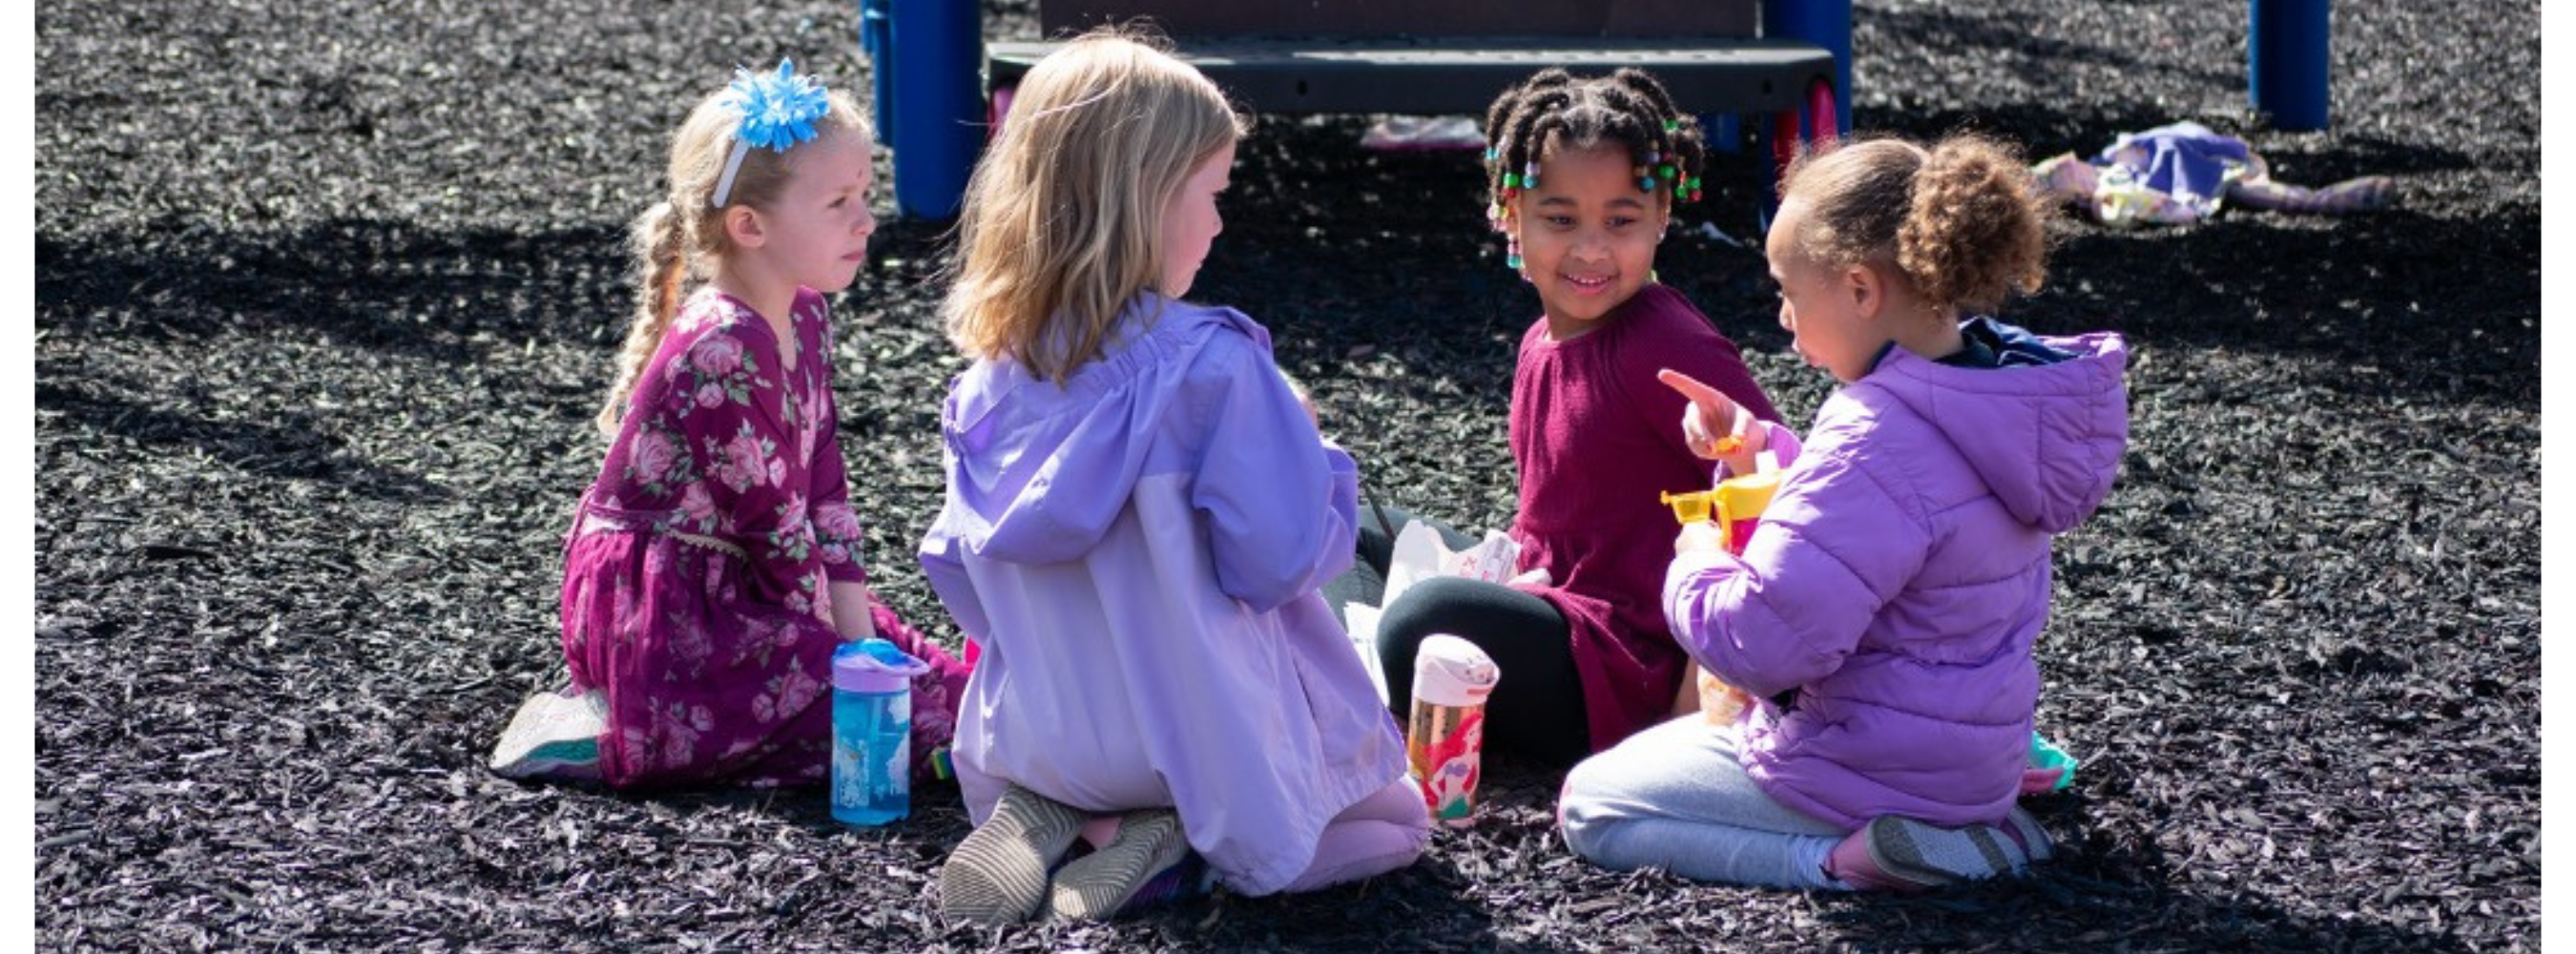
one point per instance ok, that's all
(1420, 554)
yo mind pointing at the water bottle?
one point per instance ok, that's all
(1445, 738)
(872, 732)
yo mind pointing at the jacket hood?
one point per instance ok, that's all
(1039, 472)
(2046, 431)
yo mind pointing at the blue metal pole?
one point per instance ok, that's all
(938, 64)
(1825, 23)
(2288, 63)
(876, 29)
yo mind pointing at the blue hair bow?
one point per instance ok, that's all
(778, 109)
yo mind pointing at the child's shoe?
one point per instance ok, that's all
(1190, 878)
(1899, 854)
(2049, 769)
(2028, 836)
(1850, 863)
(998, 875)
(553, 736)
(1142, 865)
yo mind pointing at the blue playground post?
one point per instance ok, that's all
(1723, 132)
(876, 31)
(932, 63)
(1825, 23)
(2288, 63)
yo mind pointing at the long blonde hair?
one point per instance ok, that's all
(674, 241)
(1062, 224)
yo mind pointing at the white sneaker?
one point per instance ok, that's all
(554, 736)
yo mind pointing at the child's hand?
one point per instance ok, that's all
(1714, 427)
(1703, 536)
(850, 613)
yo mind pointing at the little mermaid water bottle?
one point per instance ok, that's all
(872, 732)
(1444, 739)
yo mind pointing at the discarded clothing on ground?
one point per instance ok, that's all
(2183, 173)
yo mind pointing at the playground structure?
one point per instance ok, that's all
(940, 88)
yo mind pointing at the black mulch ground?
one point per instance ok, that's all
(325, 294)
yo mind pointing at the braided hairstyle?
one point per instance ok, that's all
(1552, 107)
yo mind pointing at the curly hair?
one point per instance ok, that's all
(1960, 220)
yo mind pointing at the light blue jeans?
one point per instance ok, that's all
(1676, 797)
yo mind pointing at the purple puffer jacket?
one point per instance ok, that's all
(1892, 592)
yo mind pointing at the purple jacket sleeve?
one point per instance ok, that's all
(941, 563)
(1831, 550)
(1281, 503)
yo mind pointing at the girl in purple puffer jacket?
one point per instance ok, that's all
(1883, 613)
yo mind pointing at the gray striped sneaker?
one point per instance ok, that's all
(1922, 855)
(1098, 884)
(998, 875)
(2025, 830)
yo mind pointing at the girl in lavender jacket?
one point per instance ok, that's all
(1138, 517)
(1883, 612)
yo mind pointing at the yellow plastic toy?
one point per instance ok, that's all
(1736, 503)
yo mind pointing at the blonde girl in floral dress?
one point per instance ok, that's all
(714, 564)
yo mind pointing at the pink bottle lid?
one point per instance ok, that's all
(1449, 671)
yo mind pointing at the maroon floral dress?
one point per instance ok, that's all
(696, 590)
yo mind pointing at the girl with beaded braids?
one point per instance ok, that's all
(1583, 175)
(714, 564)
(1884, 610)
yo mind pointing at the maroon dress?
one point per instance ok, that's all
(1598, 440)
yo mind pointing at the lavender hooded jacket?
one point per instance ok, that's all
(1899, 577)
(1138, 553)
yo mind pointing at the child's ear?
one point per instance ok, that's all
(743, 227)
(1866, 290)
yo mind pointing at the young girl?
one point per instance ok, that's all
(1584, 174)
(1139, 513)
(714, 564)
(1884, 610)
